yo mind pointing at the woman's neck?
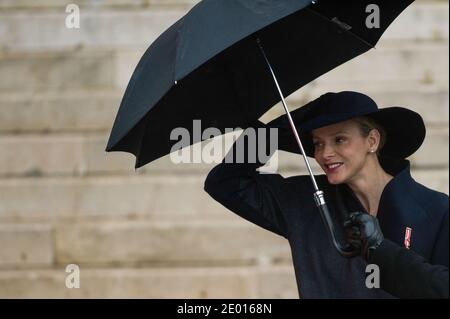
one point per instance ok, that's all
(369, 185)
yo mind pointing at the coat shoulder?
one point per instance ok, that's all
(434, 202)
(305, 181)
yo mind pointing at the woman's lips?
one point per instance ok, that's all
(333, 167)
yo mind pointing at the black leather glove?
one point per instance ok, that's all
(363, 232)
(287, 141)
(286, 137)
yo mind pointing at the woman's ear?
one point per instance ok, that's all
(374, 140)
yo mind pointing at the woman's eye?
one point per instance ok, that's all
(340, 139)
(317, 144)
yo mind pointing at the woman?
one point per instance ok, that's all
(362, 150)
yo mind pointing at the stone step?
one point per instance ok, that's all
(138, 243)
(96, 197)
(99, 28)
(85, 111)
(84, 154)
(81, 111)
(177, 283)
(421, 20)
(140, 25)
(92, 70)
(25, 199)
(169, 243)
(26, 246)
(408, 63)
(57, 71)
(434, 151)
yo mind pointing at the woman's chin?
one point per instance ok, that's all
(335, 180)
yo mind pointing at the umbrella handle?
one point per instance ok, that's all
(345, 250)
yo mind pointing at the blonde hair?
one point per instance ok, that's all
(366, 125)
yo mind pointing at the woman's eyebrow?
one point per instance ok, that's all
(332, 134)
(339, 132)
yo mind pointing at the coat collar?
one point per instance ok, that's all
(394, 190)
(401, 172)
(398, 198)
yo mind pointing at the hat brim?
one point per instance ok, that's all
(405, 131)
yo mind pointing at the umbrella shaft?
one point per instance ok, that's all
(344, 249)
(291, 122)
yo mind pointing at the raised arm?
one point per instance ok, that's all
(242, 189)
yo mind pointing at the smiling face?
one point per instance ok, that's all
(342, 151)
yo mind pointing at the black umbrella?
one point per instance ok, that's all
(212, 65)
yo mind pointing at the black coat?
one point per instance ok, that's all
(405, 274)
(286, 207)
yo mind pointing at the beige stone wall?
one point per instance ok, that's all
(154, 233)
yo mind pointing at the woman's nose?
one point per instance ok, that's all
(328, 151)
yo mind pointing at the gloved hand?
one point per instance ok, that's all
(363, 232)
(287, 141)
(286, 137)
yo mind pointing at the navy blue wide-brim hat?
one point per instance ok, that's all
(405, 129)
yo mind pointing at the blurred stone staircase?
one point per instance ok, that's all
(154, 232)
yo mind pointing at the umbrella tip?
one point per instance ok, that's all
(109, 148)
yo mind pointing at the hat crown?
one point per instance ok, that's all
(346, 102)
(334, 107)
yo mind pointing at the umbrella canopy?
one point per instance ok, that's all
(208, 65)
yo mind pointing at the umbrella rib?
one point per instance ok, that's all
(177, 45)
(371, 46)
